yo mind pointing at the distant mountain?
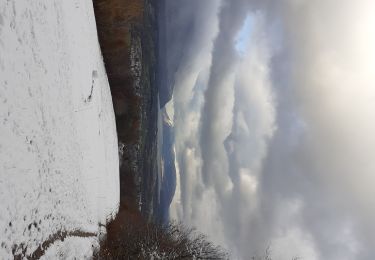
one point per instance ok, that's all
(173, 47)
(164, 76)
(168, 182)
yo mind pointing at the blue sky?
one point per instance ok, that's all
(244, 35)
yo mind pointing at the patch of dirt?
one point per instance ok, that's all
(40, 251)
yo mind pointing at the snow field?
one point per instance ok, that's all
(58, 142)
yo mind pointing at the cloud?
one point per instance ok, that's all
(330, 55)
(216, 121)
(275, 144)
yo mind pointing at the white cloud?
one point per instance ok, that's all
(294, 243)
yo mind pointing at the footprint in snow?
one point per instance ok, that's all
(94, 76)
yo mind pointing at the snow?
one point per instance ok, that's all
(58, 143)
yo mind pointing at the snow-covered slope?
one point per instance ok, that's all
(58, 145)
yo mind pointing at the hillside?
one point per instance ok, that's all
(128, 36)
(59, 177)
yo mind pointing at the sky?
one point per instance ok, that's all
(274, 113)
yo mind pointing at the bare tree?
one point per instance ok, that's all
(150, 241)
